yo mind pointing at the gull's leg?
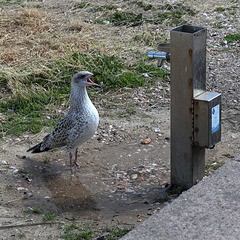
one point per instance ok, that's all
(75, 161)
(70, 159)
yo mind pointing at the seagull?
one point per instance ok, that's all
(78, 125)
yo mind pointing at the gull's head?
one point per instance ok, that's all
(83, 79)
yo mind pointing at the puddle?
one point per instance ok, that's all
(70, 195)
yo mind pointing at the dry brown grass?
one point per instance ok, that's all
(29, 36)
(18, 34)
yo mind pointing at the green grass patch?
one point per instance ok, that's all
(145, 7)
(25, 110)
(7, 3)
(116, 233)
(173, 14)
(126, 18)
(49, 216)
(75, 231)
(16, 124)
(170, 14)
(105, 7)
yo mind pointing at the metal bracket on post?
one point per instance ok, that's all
(162, 56)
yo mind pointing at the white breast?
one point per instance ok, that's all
(91, 120)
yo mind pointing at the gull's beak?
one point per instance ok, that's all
(91, 83)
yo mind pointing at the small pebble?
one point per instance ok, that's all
(29, 195)
(146, 141)
(145, 75)
(134, 176)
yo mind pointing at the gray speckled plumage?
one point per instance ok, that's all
(78, 125)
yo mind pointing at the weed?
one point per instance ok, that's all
(2, 150)
(207, 166)
(22, 171)
(76, 232)
(105, 7)
(33, 210)
(138, 38)
(46, 160)
(233, 12)
(99, 21)
(145, 7)
(3, 78)
(81, 5)
(218, 165)
(116, 233)
(219, 9)
(21, 235)
(37, 6)
(36, 211)
(217, 25)
(213, 165)
(48, 216)
(232, 37)
(128, 112)
(144, 115)
(131, 110)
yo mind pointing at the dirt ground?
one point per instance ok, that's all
(120, 181)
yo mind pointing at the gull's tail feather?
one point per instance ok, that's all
(37, 148)
(41, 147)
